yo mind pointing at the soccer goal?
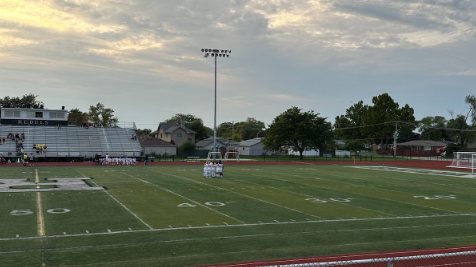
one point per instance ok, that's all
(465, 160)
(214, 156)
(233, 155)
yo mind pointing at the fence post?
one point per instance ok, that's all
(390, 263)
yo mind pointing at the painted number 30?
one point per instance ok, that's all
(28, 211)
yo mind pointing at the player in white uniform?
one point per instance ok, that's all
(205, 170)
(219, 169)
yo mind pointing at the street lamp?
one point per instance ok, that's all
(215, 53)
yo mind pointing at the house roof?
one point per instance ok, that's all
(422, 143)
(250, 142)
(170, 127)
(155, 142)
(205, 142)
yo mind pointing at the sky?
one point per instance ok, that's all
(143, 58)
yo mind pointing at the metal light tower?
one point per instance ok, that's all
(216, 53)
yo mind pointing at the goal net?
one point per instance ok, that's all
(214, 156)
(232, 155)
(465, 160)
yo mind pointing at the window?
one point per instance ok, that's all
(30, 114)
(178, 135)
(14, 114)
(39, 114)
(56, 115)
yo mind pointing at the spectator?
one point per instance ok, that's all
(22, 136)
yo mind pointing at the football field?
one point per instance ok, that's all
(173, 216)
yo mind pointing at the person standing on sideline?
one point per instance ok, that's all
(25, 159)
(32, 163)
(146, 160)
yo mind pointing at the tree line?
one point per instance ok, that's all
(381, 122)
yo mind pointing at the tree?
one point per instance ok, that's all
(193, 123)
(250, 128)
(380, 120)
(100, 115)
(348, 126)
(77, 117)
(433, 128)
(301, 130)
(143, 133)
(26, 101)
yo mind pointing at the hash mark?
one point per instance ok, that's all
(129, 229)
(207, 224)
(108, 230)
(64, 233)
(87, 232)
(18, 236)
(171, 226)
(225, 223)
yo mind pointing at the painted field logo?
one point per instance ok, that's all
(51, 184)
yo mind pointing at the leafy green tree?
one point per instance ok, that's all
(459, 131)
(77, 117)
(301, 130)
(143, 133)
(433, 128)
(25, 101)
(250, 128)
(380, 120)
(354, 145)
(102, 116)
(193, 123)
(348, 126)
(187, 146)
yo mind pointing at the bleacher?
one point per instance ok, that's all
(71, 142)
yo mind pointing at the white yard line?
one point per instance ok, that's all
(39, 208)
(370, 196)
(240, 194)
(133, 214)
(177, 194)
(261, 224)
(285, 190)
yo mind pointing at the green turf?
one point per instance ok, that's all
(172, 216)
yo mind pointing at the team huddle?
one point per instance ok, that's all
(213, 169)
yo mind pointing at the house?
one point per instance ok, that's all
(175, 132)
(252, 147)
(207, 144)
(158, 146)
(421, 147)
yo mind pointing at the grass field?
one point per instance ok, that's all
(172, 216)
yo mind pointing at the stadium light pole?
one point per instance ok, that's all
(216, 53)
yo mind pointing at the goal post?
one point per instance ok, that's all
(213, 156)
(232, 155)
(464, 160)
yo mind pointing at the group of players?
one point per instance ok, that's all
(213, 169)
(115, 161)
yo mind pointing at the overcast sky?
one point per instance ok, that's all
(142, 58)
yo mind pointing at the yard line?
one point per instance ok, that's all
(39, 207)
(282, 189)
(236, 193)
(364, 186)
(271, 223)
(177, 194)
(135, 215)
